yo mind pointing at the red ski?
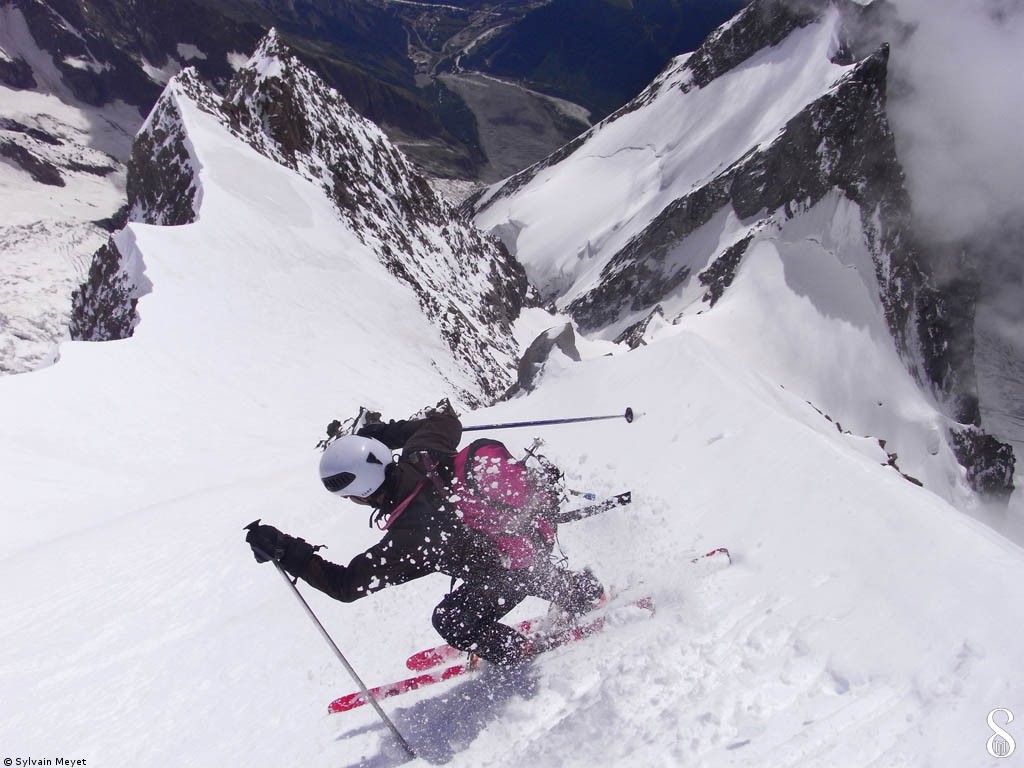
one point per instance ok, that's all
(435, 657)
(357, 699)
(713, 554)
(552, 640)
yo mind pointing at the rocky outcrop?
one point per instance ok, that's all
(989, 463)
(103, 307)
(162, 187)
(93, 66)
(760, 25)
(17, 73)
(633, 336)
(161, 171)
(531, 364)
(39, 169)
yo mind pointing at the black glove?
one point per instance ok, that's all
(268, 543)
(390, 434)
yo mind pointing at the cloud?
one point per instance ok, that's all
(956, 106)
(957, 109)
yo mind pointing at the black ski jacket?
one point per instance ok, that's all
(426, 536)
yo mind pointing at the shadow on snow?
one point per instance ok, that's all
(439, 727)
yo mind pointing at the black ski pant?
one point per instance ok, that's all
(469, 617)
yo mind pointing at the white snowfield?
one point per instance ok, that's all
(865, 621)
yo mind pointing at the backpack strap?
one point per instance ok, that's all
(397, 511)
(429, 467)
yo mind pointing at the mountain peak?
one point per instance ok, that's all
(272, 58)
(468, 286)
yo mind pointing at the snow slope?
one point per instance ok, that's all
(865, 621)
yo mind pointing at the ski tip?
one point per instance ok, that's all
(345, 703)
(425, 660)
(712, 554)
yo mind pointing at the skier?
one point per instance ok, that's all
(424, 534)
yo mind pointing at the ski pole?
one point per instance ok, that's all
(593, 509)
(628, 416)
(341, 657)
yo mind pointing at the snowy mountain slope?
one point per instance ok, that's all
(862, 622)
(79, 71)
(798, 655)
(682, 140)
(240, 276)
(467, 285)
(866, 621)
(759, 133)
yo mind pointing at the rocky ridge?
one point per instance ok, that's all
(468, 286)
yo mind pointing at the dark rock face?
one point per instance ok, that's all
(40, 170)
(947, 344)
(161, 191)
(99, 46)
(532, 363)
(842, 140)
(113, 223)
(719, 275)
(103, 308)
(95, 69)
(761, 24)
(633, 336)
(990, 464)
(161, 181)
(17, 74)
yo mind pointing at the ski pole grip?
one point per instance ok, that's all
(257, 550)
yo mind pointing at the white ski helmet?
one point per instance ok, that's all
(354, 466)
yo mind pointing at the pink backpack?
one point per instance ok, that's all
(500, 496)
